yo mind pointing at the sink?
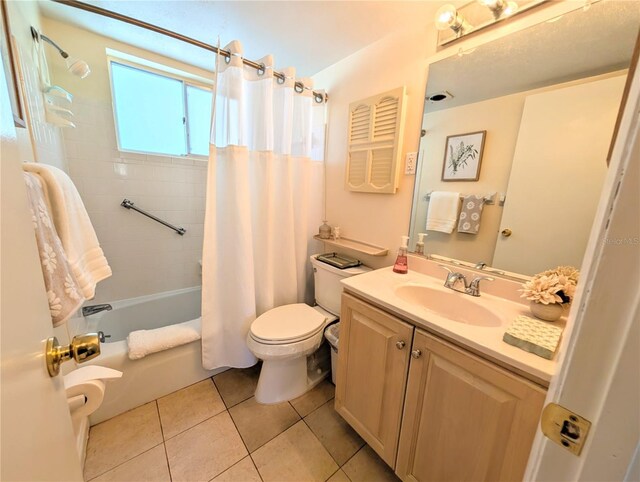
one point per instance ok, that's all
(452, 305)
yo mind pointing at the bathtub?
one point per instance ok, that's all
(155, 375)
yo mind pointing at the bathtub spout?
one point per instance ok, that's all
(93, 309)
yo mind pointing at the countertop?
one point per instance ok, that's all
(379, 286)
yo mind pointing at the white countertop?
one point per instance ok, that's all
(379, 287)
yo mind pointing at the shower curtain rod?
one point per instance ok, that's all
(299, 86)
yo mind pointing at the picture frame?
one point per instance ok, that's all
(463, 156)
(10, 70)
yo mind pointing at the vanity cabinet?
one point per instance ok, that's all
(372, 373)
(433, 411)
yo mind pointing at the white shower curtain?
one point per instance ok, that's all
(264, 203)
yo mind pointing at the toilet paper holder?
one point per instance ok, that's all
(82, 348)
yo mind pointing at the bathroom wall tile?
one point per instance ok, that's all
(243, 471)
(151, 466)
(294, 455)
(366, 466)
(337, 436)
(188, 407)
(206, 450)
(339, 476)
(237, 384)
(258, 423)
(121, 438)
(314, 398)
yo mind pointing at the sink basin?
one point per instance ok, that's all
(452, 305)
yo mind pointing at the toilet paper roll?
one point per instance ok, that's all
(85, 388)
(93, 392)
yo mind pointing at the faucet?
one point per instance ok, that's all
(454, 279)
(480, 265)
(93, 309)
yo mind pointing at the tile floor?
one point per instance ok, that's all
(214, 430)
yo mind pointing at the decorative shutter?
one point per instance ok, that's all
(375, 142)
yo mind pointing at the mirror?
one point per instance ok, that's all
(547, 97)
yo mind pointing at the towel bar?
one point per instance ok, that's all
(488, 199)
(130, 205)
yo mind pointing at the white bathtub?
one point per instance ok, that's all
(155, 375)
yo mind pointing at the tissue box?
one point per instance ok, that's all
(534, 336)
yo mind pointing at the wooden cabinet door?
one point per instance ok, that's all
(465, 419)
(373, 360)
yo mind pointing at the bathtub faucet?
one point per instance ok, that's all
(93, 309)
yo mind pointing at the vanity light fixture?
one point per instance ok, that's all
(500, 8)
(448, 16)
(76, 66)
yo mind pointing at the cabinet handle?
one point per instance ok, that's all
(416, 353)
(400, 344)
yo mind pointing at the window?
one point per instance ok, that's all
(159, 114)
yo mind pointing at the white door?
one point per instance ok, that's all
(599, 378)
(37, 441)
(564, 135)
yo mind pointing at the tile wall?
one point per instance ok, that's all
(145, 256)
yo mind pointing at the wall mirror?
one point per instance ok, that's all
(547, 97)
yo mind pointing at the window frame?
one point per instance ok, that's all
(186, 80)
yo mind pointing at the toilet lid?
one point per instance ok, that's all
(288, 323)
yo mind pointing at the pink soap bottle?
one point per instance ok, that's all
(402, 265)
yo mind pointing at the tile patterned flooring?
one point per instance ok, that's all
(214, 430)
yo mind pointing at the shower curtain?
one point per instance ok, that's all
(263, 205)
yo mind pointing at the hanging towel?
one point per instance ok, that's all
(74, 227)
(145, 342)
(443, 211)
(470, 214)
(63, 293)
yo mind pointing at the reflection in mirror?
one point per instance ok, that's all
(548, 97)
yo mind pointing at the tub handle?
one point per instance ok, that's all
(102, 337)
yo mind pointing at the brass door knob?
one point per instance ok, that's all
(506, 232)
(82, 348)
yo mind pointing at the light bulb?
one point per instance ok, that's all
(78, 67)
(511, 8)
(446, 17)
(491, 4)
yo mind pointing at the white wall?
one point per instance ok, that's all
(145, 256)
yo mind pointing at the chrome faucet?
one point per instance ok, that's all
(93, 309)
(458, 282)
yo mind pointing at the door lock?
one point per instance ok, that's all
(564, 427)
(82, 348)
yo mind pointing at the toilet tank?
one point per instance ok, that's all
(328, 290)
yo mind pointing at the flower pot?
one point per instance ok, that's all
(550, 312)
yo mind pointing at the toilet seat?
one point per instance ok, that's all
(287, 324)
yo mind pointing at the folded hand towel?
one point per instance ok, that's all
(74, 227)
(443, 211)
(63, 293)
(145, 342)
(470, 215)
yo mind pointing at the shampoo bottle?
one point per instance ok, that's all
(420, 243)
(401, 265)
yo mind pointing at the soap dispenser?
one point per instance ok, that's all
(420, 243)
(401, 265)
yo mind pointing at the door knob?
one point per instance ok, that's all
(82, 348)
(416, 353)
(506, 232)
(400, 344)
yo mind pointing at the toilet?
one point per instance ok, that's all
(287, 338)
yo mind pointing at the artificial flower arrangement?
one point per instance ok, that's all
(556, 285)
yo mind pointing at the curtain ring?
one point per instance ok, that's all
(299, 87)
(261, 70)
(319, 98)
(280, 80)
(227, 58)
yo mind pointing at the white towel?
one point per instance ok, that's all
(74, 227)
(145, 342)
(443, 211)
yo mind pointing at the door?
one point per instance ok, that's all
(565, 133)
(36, 434)
(373, 358)
(465, 419)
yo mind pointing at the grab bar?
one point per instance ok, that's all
(130, 205)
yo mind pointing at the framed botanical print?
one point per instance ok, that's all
(9, 67)
(463, 157)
